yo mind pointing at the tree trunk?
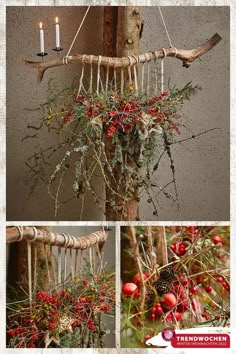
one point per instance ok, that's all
(121, 38)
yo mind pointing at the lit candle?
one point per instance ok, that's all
(57, 34)
(41, 37)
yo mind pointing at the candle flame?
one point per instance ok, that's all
(56, 19)
(40, 25)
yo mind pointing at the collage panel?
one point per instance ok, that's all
(60, 287)
(118, 139)
(175, 280)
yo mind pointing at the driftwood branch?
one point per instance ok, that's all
(186, 56)
(55, 239)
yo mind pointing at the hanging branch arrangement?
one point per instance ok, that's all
(182, 286)
(70, 313)
(118, 126)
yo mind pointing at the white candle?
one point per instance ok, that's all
(57, 34)
(41, 38)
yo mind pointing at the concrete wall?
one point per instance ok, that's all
(202, 165)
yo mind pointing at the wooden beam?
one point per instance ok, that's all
(186, 56)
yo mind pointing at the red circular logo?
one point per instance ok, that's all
(168, 333)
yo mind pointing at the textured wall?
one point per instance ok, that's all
(202, 166)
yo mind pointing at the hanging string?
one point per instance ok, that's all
(91, 261)
(135, 78)
(142, 77)
(156, 80)
(59, 266)
(29, 272)
(72, 267)
(99, 255)
(80, 26)
(54, 271)
(98, 72)
(47, 266)
(81, 76)
(76, 260)
(162, 70)
(115, 83)
(29, 250)
(164, 24)
(35, 269)
(107, 74)
(80, 263)
(91, 74)
(122, 80)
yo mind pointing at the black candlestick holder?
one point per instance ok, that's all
(57, 49)
(42, 54)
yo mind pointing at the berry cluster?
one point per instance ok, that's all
(74, 307)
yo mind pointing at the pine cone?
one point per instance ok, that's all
(167, 273)
(162, 287)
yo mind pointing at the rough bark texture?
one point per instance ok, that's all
(125, 42)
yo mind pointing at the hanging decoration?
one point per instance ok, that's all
(138, 116)
(71, 312)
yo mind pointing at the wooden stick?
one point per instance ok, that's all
(55, 239)
(186, 56)
(136, 254)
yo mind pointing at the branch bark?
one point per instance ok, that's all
(186, 56)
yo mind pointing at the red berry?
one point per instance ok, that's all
(169, 301)
(217, 239)
(129, 289)
(208, 289)
(169, 317)
(147, 336)
(137, 278)
(177, 316)
(153, 316)
(219, 279)
(102, 298)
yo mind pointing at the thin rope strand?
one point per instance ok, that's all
(59, 266)
(142, 78)
(122, 81)
(80, 26)
(76, 260)
(29, 272)
(164, 24)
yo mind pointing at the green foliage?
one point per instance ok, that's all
(139, 130)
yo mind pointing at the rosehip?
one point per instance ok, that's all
(137, 278)
(129, 289)
(169, 301)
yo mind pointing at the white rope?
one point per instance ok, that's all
(59, 266)
(98, 72)
(164, 24)
(80, 26)
(91, 74)
(29, 272)
(115, 85)
(162, 70)
(81, 76)
(142, 77)
(21, 233)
